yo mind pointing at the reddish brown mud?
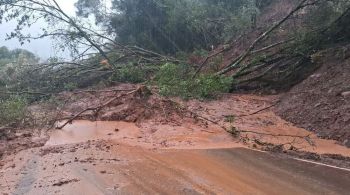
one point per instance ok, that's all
(168, 152)
(106, 167)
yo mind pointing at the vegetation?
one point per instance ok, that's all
(175, 80)
(13, 110)
(168, 26)
(189, 48)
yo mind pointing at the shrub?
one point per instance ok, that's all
(175, 80)
(13, 110)
(130, 74)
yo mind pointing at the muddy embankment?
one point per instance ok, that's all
(173, 123)
(321, 103)
(151, 121)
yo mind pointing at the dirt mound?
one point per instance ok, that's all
(127, 102)
(321, 103)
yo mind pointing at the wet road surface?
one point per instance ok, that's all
(106, 167)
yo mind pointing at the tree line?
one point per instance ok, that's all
(212, 42)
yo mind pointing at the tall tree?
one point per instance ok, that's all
(71, 31)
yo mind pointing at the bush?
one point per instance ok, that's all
(130, 74)
(175, 80)
(13, 110)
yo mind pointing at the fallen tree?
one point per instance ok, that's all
(279, 61)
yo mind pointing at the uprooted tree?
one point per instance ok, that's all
(278, 59)
(189, 48)
(131, 40)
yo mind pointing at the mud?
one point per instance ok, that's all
(168, 150)
(166, 123)
(239, 106)
(320, 103)
(147, 135)
(15, 140)
(106, 167)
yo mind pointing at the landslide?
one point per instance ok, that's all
(321, 103)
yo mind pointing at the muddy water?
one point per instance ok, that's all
(82, 131)
(186, 136)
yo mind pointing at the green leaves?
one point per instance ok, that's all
(176, 80)
(130, 74)
(12, 110)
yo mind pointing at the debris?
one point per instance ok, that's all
(64, 182)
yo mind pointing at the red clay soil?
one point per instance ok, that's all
(321, 103)
(172, 123)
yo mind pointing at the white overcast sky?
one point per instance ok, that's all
(42, 48)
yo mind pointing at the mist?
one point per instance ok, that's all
(43, 48)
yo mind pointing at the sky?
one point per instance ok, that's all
(43, 47)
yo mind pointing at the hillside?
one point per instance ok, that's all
(321, 103)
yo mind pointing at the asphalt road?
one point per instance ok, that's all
(104, 167)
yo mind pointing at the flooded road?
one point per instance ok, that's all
(82, 131)
(164, 157)
(186, 136)
(121, 158)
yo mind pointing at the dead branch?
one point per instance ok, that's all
(274, 135)
(243, 56)
(104, 91)
(207, 59)
(271, 46)
(241, 72)
(236, 132)
(259, 111)
(203, 63)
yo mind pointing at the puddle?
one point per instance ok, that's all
(82, 131)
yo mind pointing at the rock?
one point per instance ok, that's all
(316, 75)
(346, 94)
(63, 182)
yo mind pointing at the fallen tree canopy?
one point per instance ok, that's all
(281, 64)
(271, 52)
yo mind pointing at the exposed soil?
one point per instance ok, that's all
(321, 103)
(14, 140)
(145, 119)
(173, 123)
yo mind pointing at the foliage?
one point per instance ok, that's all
(12, 63)
(130, 74)
(175, 80)
(17, 56)
(13, 109)
(70, 32)
(169, 26)
(325, 13)
(322, 30)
